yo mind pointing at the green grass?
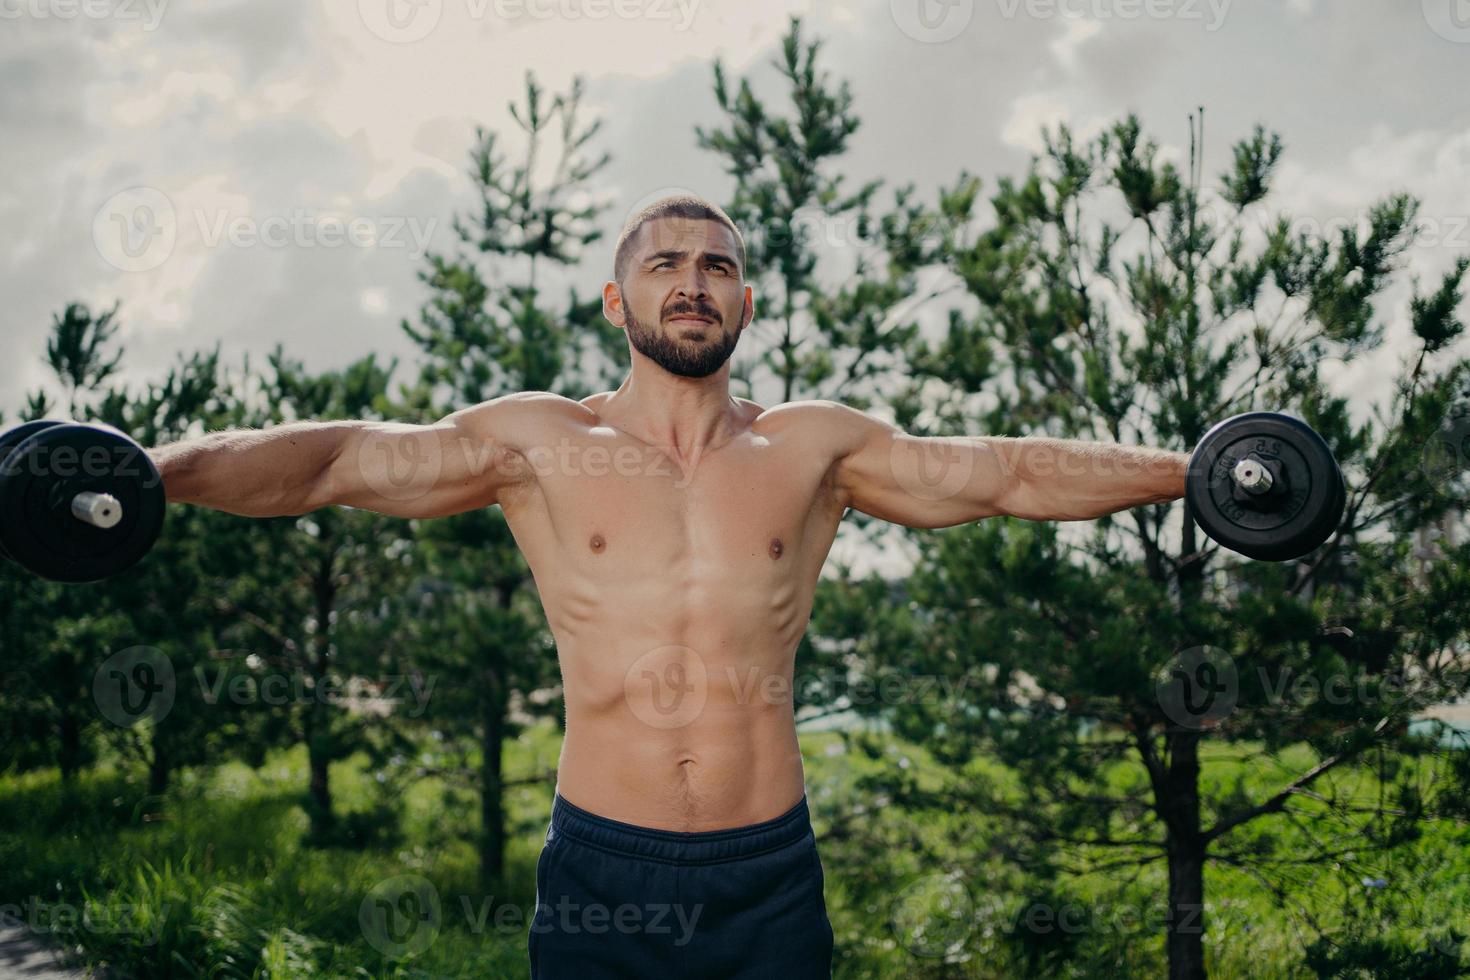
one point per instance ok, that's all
(214, 880)
(1115, 925)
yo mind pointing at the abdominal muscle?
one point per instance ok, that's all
(673, 747)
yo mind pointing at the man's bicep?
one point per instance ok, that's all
(462, 462)
(921, 481)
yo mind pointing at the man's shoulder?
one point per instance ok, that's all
(821, 419)
(530, 417)
(811, 412)
(536, 416)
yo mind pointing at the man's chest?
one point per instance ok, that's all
(626, 507)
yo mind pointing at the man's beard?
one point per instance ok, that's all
(686, 358)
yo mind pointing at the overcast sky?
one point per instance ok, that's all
(241, 125)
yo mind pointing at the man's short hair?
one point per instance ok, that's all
(677, 206)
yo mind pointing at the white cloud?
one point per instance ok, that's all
(373, 301)
(175, 91)
(1030, 113)
(473, 62)
(270, 107)
(1078, 31)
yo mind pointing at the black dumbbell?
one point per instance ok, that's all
(78, 503)
(1265, 485)
(13, 437)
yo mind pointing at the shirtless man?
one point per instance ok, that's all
(676, 535)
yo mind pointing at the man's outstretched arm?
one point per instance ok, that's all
(460, 463)
(932, 482)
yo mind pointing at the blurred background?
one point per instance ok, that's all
(325, 746)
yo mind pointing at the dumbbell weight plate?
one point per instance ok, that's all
(49, 468)
(14, 436)
(1289, 522)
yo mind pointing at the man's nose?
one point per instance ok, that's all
(694, 285)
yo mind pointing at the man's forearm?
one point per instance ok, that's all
(252, 472)
(1074, 480)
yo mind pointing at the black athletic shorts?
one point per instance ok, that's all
(615, 900)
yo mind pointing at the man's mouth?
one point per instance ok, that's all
(691, 318)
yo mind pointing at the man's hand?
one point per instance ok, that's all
(934, 482)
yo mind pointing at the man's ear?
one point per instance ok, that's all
(612, 304)
(747, 312)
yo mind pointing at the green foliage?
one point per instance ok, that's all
(471, 622)
(213, 879)
(488, 329)
(218, 871)
(76, 351)
(1384, 959)
(1108, 295)
(828, 342)
(1147, 332)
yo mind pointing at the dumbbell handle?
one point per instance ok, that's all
(1251, 475)
(97, 509)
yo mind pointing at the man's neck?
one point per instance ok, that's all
(685, 417)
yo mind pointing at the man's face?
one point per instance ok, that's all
(683, 299)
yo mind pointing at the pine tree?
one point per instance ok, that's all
(491, 329)
(1119, 301)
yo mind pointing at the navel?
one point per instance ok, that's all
(776, 548)
(597, 544)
